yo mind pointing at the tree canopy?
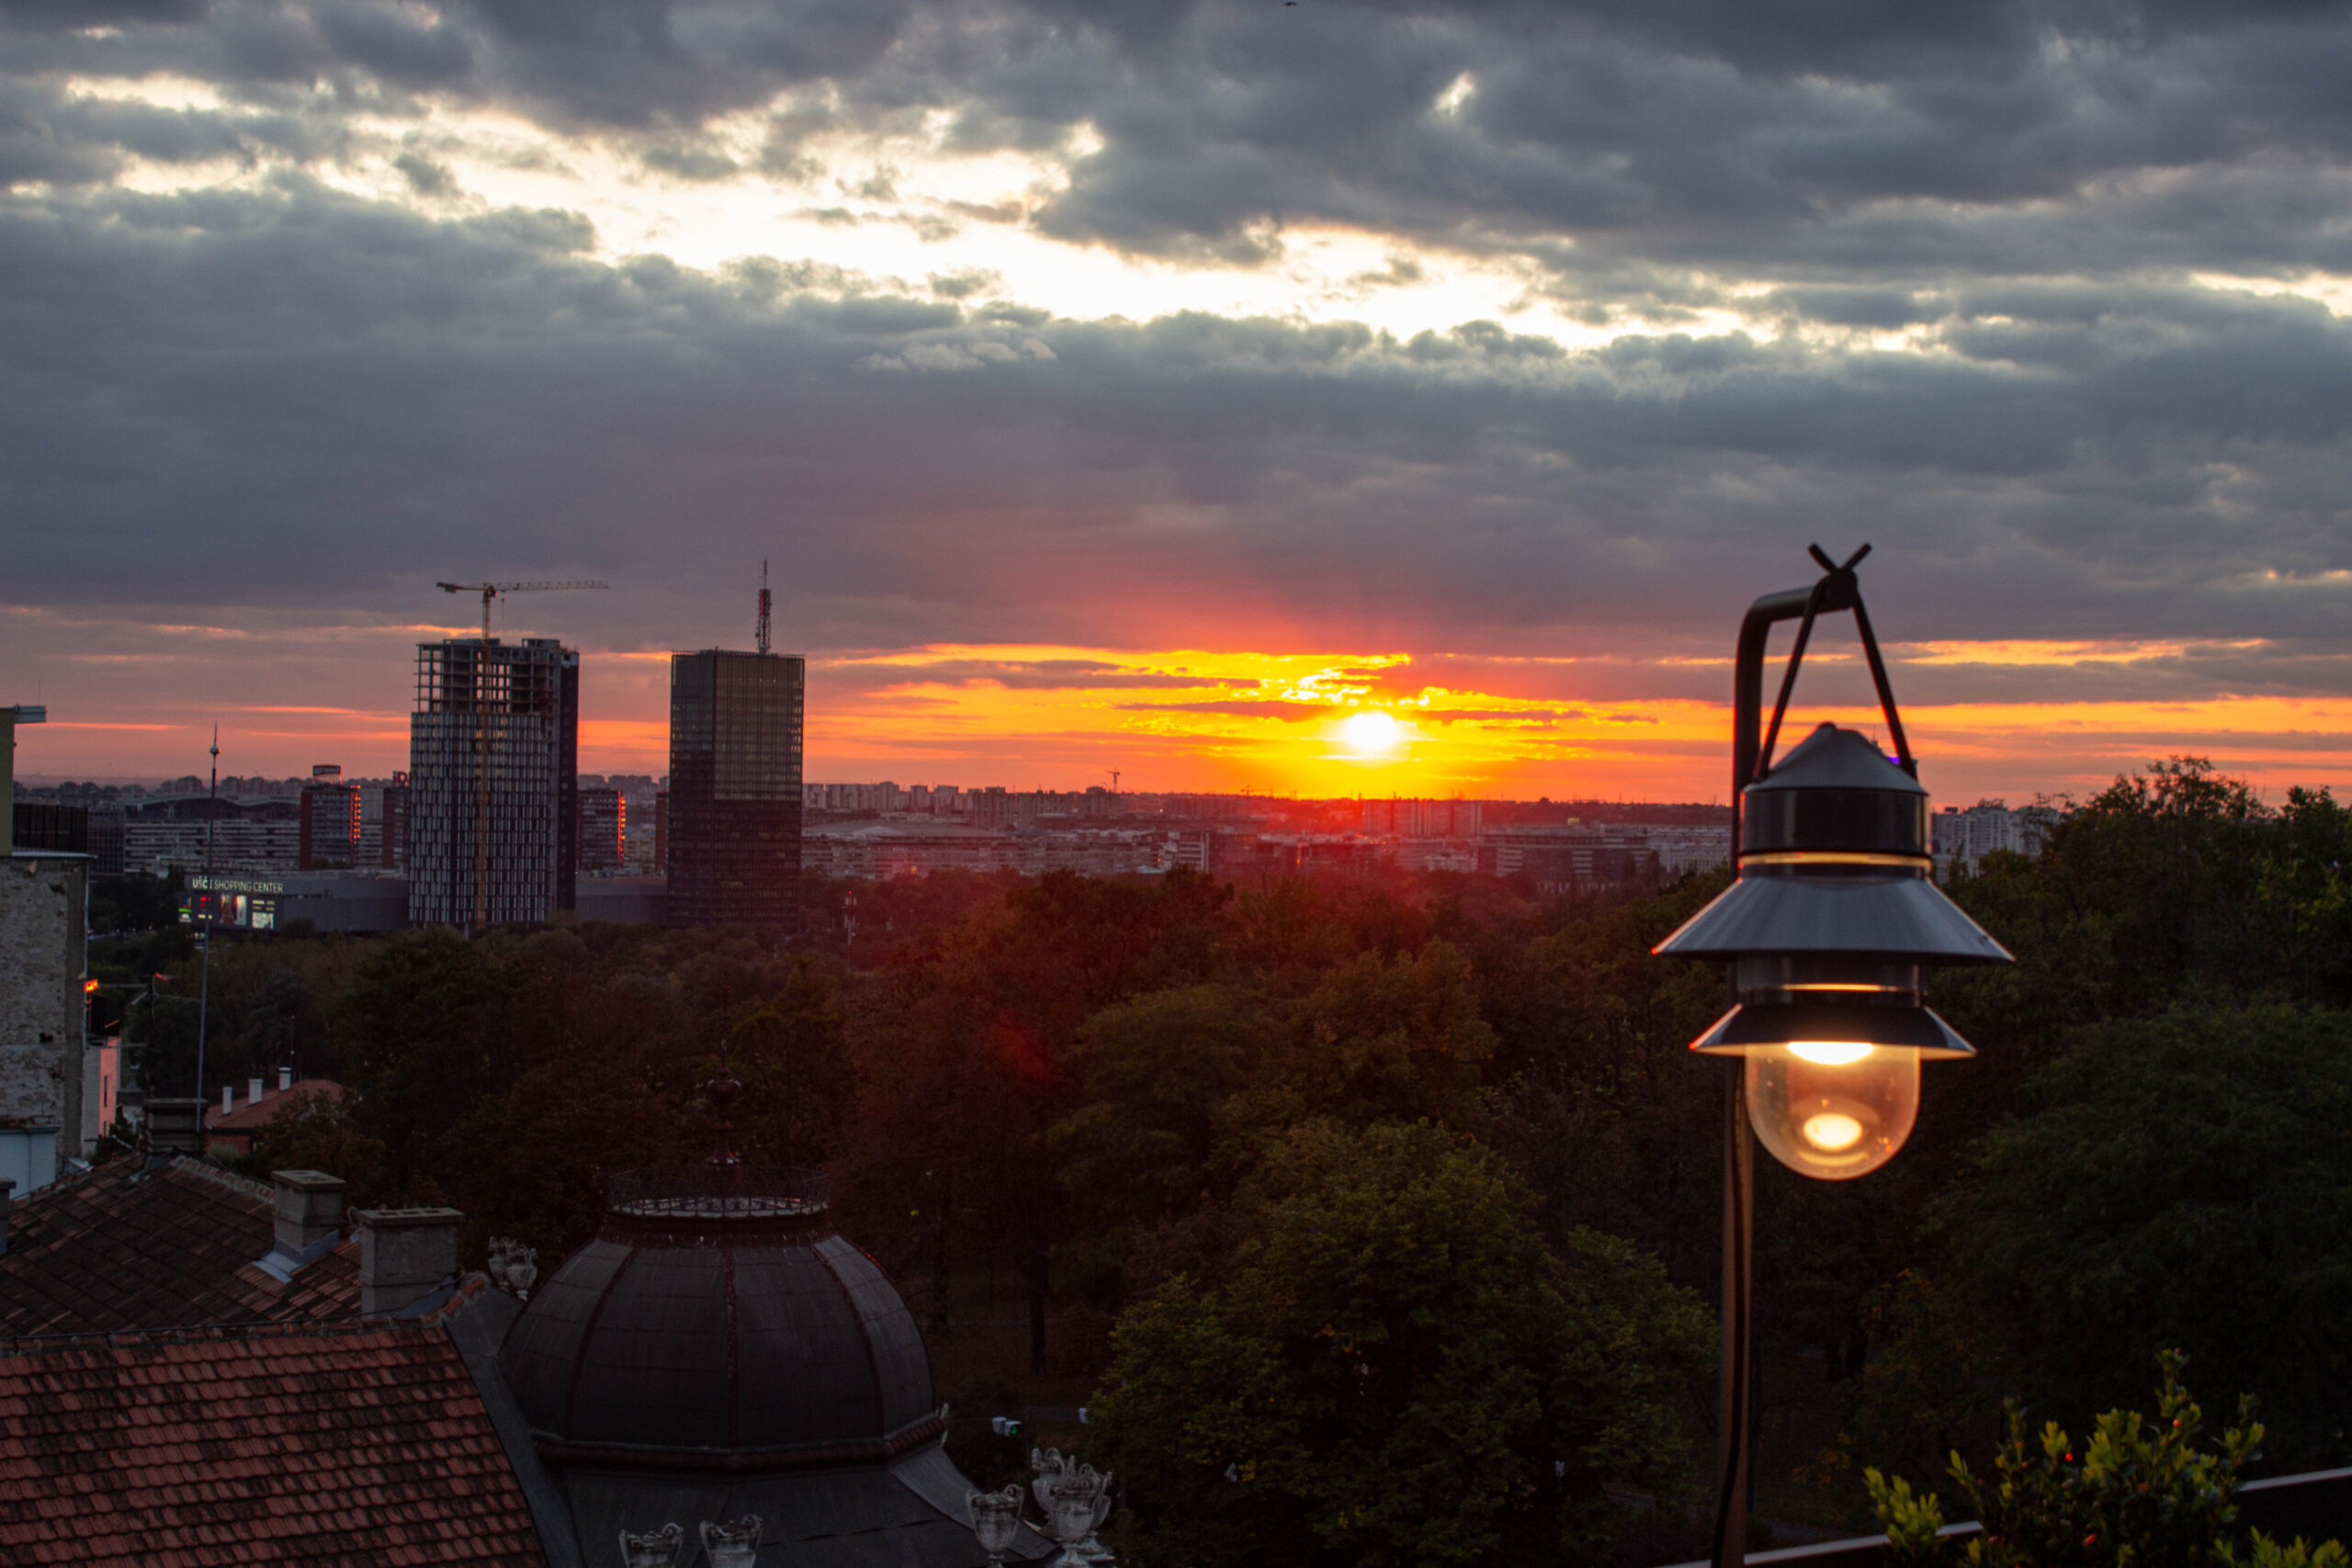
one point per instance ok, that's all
(1389, 1366)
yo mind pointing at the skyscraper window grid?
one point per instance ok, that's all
(733, 820)
(518, 706)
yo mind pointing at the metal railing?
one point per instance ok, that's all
(704, 1192)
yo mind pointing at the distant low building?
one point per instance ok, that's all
(1962, 837)
(1424, 818)
(231, 1125)
(189, 830)
(879, 851)
(604, 829)
(625, 901)
(330, 900)
(330, 821)
(105, 848)
(390, 816)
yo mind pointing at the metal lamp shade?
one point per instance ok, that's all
(1835, 909)
(1830, 931)
(1772, 1028)
(1834, 863)
(1833, 921)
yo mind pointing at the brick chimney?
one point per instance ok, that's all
(173, 1128)
(405, 1256)
(310, 1221)
(8, 1191)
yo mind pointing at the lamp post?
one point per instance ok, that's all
(208, 907)
(1829, 929)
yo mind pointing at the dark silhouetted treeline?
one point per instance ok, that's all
(1403, 1196)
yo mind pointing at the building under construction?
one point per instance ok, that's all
(492, 777)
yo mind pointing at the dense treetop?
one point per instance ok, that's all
(1440, 1129)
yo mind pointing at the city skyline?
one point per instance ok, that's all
(1029, 718)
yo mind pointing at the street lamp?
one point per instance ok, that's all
(1829, 930)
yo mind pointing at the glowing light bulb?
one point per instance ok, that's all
(1833, 1109)
(1829, 1052)
(1832, 1130)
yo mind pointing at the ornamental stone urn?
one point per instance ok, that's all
(1076, 1500)
(655, 1548)
(731, 1546)
(996, 1519)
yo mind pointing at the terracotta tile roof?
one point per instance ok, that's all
(258, 1114)
(304, 1445)
(161, 1246)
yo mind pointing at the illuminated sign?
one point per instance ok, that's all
(205, 883)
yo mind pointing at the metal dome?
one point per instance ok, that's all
(719, 1322)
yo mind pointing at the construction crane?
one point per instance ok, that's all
(490, 591)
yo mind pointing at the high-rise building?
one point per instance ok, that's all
(392, 846)
(731, 826)
(604, 829)
(330, 821)
(515, 706)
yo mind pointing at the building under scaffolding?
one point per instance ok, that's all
(517, 708)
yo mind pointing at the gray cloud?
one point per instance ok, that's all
(289, 394)
(339, 391)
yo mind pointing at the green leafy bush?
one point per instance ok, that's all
(2140, 1492)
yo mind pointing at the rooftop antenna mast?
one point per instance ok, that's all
(489, 591)
(764, 602)
(208, 907)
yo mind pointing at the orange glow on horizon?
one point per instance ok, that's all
(1321, 724)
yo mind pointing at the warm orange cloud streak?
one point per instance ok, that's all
(1025, 716)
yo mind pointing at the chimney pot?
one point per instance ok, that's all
(7, 1190)
(285, 1079)
(228, 1099)
(253, 1092)
(405, 1256)
(310, 1214)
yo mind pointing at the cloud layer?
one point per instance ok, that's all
(1482, 334)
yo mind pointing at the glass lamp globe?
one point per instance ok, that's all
(1832, 1109)
(1830, 929)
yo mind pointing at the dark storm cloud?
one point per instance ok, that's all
(300, 394)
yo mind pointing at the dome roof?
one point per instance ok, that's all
(717, 1322)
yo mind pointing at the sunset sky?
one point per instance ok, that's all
(1159, 387)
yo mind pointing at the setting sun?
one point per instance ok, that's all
(1371, 733)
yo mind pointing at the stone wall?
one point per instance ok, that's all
(43, 913)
